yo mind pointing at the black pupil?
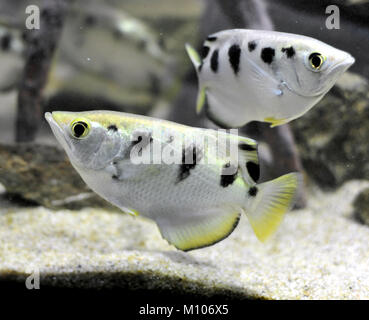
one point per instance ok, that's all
(316, 61)
(79, 129)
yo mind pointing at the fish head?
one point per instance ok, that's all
(314, 68)
(88, 138)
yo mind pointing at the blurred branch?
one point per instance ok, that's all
(251, 14)
(40, 47)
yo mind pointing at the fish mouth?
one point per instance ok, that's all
(342, 65)
(57, 130)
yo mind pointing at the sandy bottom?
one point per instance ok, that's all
(318, 253)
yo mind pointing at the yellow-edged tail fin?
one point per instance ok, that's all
(196, 60)
(269, 201)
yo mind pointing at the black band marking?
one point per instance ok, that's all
(214, 63)
(234, 54)
(205, 51)
(190, 157)
(253, 191)
(254, 170)
(228, 179)
(246, 147)
(267, 55)
(146, 139)
(113, 127)
(290, 52)
(211, 39)
(252, 45)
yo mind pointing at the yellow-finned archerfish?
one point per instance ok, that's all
(253, 75)
(195, 191)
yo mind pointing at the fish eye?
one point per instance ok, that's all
(316, 60)
(79, 128)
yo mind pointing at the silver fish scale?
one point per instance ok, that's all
(163, 193)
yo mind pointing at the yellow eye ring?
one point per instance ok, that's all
(79, 128)
(316, 60)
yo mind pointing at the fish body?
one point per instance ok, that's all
(268, 76)
(195, 201)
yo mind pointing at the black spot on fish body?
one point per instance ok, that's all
(228, 179)
(290, 51)
(254, 170)
(234, 54)
(267, 55)
(205, 51)
(146, 139)
(252, 45)
(186, 166)
(214, 61)
(114, 177)
(211, 39)
(253, 191)
(247, 147)
(113, 127)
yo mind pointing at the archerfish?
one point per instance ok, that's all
(195, 201)
(253, 75)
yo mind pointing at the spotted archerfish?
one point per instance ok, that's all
(195, 201)
(253, 75)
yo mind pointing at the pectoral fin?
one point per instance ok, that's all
(201, 98)
(188, 231)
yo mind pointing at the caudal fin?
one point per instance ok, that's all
(269, 201)
(197, 62)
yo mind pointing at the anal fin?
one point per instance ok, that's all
(189, 231)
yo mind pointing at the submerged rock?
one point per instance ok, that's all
(318, 253)
(361, 205)
(42, 175)
(333, 136)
